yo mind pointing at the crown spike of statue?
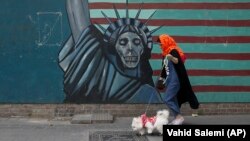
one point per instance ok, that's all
(119, 22)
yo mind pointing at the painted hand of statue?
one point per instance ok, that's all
(79, 16)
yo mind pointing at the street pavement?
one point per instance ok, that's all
(30, 129)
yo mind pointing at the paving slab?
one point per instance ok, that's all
(81, 119)
(92, 118)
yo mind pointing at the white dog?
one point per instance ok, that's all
(144, 124)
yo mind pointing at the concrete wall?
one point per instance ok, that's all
(213, 34)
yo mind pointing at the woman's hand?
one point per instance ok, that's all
(172, 58)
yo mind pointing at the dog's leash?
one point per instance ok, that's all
(150, 99)
(149, 102)
(159, 93)
(153, 93)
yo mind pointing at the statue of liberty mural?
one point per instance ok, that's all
(106, 65)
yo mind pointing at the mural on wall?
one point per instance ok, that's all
(43, 61)
(107, 65)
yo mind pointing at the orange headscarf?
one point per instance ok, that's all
(168, 44)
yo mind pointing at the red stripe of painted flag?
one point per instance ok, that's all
(212, 72)
(210, 39)
(105, 5)
(217, 88)
(173, 22)
(223, 56)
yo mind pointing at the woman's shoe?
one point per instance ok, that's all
(177, 121)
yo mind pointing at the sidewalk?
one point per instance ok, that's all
(24, 129)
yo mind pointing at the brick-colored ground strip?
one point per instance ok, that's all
(117, 110)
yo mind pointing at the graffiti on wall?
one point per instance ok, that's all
(107, 65)
(49, 26)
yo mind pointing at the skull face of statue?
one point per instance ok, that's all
(129, 47)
